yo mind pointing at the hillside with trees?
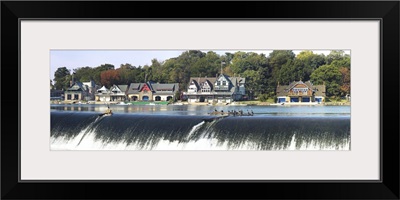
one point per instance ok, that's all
(262, 72)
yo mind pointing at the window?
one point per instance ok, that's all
(69, 97)
(218, 82)
(76, 96)
(223, 82)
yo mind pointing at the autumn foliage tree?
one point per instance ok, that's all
(345, 82)
(110, 77)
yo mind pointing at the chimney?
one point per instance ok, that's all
(72, 82)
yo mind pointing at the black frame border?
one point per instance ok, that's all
(385, 11)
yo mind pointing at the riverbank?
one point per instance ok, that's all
(237, 103)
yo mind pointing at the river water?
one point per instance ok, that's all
(188, 127)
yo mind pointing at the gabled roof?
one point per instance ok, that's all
(294, 83)
(123, 88)
(233, 81)
(103, 88)
(237, 80)
(148, 85)
(77, 86)
(195, 83)
(210, 85)
(198, 80)
(226, 77)
(282, 90)
(134, 88)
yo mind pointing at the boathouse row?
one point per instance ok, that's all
(300, 92)
(222, 89)
(133, 92)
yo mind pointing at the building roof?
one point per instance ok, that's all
(234, 81)
(160, 86)
(282, 90)
(77, 86)
(199, 80)
(134, 88)
(103, 88)
(195, 83)
(123, 88)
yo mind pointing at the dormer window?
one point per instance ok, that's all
(224, 83)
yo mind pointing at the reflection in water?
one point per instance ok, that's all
(204, 110)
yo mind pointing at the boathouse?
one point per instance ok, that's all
(300, 92)
(221, 89)
(79, 91)
(152, 91)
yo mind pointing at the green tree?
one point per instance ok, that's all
(62, 78)
(309, 62)
(330, 76)
(335, 55)
(84, 74)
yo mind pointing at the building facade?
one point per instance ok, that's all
(78, 91)
(103, 94)
(118, 92)
(152, 91)
(222, 89)
(300, 92)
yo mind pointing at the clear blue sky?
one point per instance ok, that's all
(73, 59)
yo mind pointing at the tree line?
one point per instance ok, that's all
(263, 73)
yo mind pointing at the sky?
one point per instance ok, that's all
(73, 59)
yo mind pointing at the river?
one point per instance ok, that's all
(188, 127)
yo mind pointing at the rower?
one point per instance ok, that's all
(108, 110)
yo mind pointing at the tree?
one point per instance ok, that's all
(293, 70)
(277, 59)
(330, 76)
(335, 55)
(84, 74)
(98, 70)
(345, 81)
(109, 78)
(309, 62)
(62, 78)
(253, 83)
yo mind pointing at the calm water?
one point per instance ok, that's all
(203, 110)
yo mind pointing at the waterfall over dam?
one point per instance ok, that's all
(89, 131)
